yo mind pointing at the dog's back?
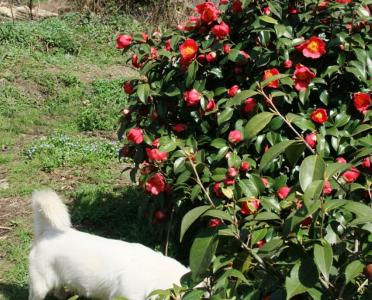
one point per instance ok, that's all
(91, 265)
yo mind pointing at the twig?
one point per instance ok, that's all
(5, 228)
(168, 233)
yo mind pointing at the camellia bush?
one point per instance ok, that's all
(250, 122)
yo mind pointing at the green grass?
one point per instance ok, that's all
(60, 98)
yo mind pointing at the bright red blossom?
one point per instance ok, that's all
(135, 135)
(123, 41)
(249, 105)
(344, 1)
(302, 77)
(287, 64)
(237, 6)
(319, 115)
(327, 189)
(261, 243)
(217, 189)
(208, 12)
(168, 46)
(211, 56)
(351, 175)
(192, 97)
(188, 49)
(128, 88)
(221, 30)
(312, 48)
(244, 166)
(361, 101)
(250, 207)
(283, 192)
(211, 105)
(235, 136)
(214, 222)
(155, 184)
(156, 155)
(231, 92)
(270, 73)
(232, 172)
(311, 139)
(179, 127)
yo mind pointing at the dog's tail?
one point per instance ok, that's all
(49, 212)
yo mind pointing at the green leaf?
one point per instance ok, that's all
(271, 245)
(352, 270)
(311, 169)
(194, 294)
(294, 152)
(323, 257)
(216, 213)
(334, 168)
(195, 191)
(313, 191)
(191, 217)
(361, 128)
(143, 91)
(273, 78)
(268, 19)
(274, 152)
(202, 252)
(185, 175)
(179, 165)
(225, 115)
(191, 73)
(293, 284)
(218, 143)
(248, 188)
(240, 97)
(256, 124)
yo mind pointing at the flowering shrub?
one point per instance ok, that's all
(255, 115)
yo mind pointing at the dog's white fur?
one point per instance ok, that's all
(90, 265)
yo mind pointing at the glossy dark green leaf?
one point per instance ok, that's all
(352, 270)
(311, 169)
(323, 257)
(256, 124)
(274, 152)
(225, 115)
(191, 217)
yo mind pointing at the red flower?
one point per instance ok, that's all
(261, 243)
(192, 97)
(265, 181)
(283, 192)
(155, 184)
(217, 189)
(145, 37)
(270, 73)
(128, 88)
(229, 181)
(179, 127)
(266, 10)
(135, 135)
(287, 64)
(302, 77)
(351, 175)
(153, 53)
(155, 143)
(226, 48)
(211, 56)
(237, 6)
(249, 105)
(123, 41)
(312, 48)
(293, 10)
(341, 160)
(224, 2)
(221, 30)
(156, 155)
(366, 163)
(214, 222)
(344, 1)
(231, 92)
(361, 101)
(201, 58)
(135, 61)
(243, 56)
(208, 12)
(250, 207)
(232, 172)
(188, 49)
(319, 115)
(235, 136)
(211, 105)
(311, 139)
(327, 189)
(193, 23)
(168, 46)
(244, 166)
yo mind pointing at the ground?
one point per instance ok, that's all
(60, 98)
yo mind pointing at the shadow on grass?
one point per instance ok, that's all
(13, 292)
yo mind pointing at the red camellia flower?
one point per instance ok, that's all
(211, 105)
(232, 172)
(311, 139)
(221, 30)
(188, 49)
(302, 77)
(266, 10)
(237, 6)
(351, 175)
(214, 222)
(344, 1)
(145, 37)
(135, 61)
(250, 207)
(249, 105)
(270, 73)
(224, 2)
(192, 97)
(208, 12)
(229, 181)
(179, 127)
(153, 53)
(135, 135)
(231, 92)
(226, 48)
(201, 58)
(155, 184)
(283, 192)
(244, 166)
(319, 115)
(156, 155)
(123, 41)
(287, 64)
(293, 10)
(261, 243)
(128, 88)
(168, 46)
(341, 160)
(192, 23)
(217, 189)
(211, 56)
(312, 48)
(327, 189)
(361, 101)
(265, 181)
(366, 163)
(155, 142)
(235, 136)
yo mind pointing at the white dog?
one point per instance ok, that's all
(90, 265)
